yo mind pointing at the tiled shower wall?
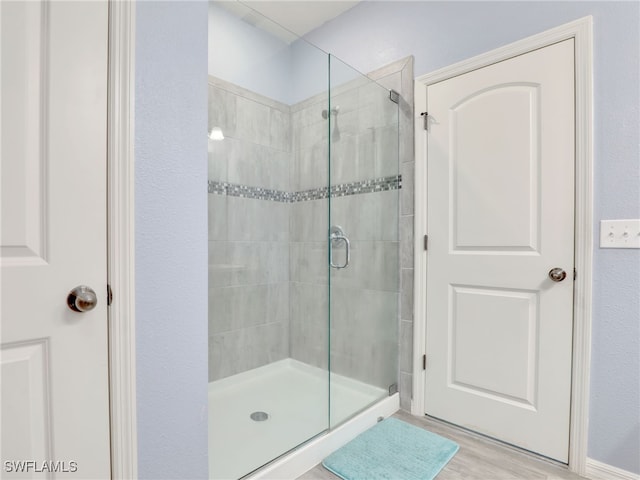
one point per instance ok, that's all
(308, 227)
(248, 237)
(365, 295)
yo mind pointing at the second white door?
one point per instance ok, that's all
(500, 220)
(54, 400)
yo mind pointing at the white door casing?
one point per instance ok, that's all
(121, 241)
(55, 390)
(500, 216)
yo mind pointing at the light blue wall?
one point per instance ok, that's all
(254, 59)
(441, 33)
(313, 73)
(247, 56)
(171, 238)
(309, 71)
(171, 225)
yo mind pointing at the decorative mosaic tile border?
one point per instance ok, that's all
(354, 188)
(244, 191)
(367, 186)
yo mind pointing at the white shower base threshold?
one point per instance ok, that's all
(295, 396)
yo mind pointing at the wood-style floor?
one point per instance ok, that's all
(479, 458)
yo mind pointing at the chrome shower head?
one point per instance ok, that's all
(334, 111)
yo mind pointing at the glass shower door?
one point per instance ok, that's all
(303, 241)
(268, 218)
(363, 241)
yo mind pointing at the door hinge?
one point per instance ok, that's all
(575, 274)
(425, 117)
(426, 242)
(109, 295)
(424, 362)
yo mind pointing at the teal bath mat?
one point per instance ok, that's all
(392, 450)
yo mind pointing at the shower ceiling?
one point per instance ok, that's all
(298, 16)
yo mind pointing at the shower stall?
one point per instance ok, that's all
(303, 241)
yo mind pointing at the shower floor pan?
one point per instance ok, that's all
(294, 397)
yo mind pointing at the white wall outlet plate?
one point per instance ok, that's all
(620, 233)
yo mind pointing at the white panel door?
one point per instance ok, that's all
(54, 397)
(500, 216)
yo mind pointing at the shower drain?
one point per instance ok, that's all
(259, 416)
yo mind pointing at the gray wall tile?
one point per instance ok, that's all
(406, 303)
(218, 156)
(405, 388)
(310, 167)
(313, 134)
(369, 217)
(386, 150)
(239, 350)
(343, 125)
(347, 99)
(248, 263)
(222, 110)
(217, 217)
(407, 156)
(373, 266)
(366, 152)
(280, 130)
(408, 188)
(217, 253)
(345, 161)
(309, 112)
(309, 221)
(257, 220)
(376, 110)
(364, 334)
(406, 346)
(406, 241)
(253, 121)
(261, 166)
(309, 323)
(234, 308)
(256, 165)
(308, 262)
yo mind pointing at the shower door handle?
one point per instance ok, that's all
(337, 236)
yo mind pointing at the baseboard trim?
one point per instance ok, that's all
(596, 470)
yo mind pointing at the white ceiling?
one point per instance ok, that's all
(297, 16)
